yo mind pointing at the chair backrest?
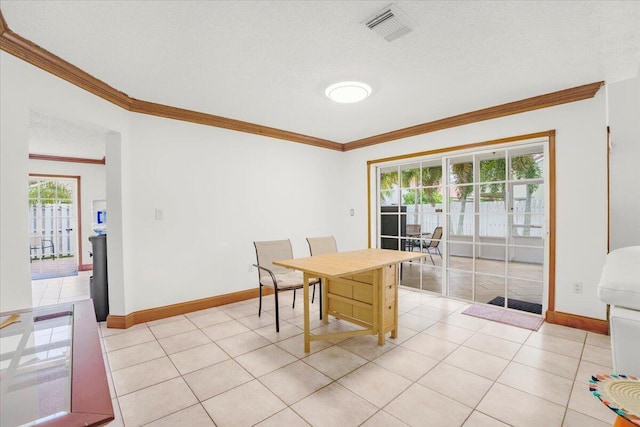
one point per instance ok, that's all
(436, 237)
(322, 245)
(273, 250)
(413, 229)
(35, 240)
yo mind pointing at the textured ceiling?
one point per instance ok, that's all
(58, 137)
(268, 62)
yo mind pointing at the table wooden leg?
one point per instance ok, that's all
(305, 292)
(320, 300)
(378, 304)
(325, 300)
(394, 331)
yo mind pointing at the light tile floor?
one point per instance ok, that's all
(524, 279)
(226, 366)
(60, 289)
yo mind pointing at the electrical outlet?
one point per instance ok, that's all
(577, 288)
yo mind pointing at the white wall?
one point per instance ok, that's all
(219, 190)
(580, 175)
(15, 284)
(624, 121)
(24, 88)
(93, 187)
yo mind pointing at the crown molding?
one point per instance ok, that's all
(31, 53)
(159, 110)
(3, 24)
(475, 145)
(51, 158)
(537, 102)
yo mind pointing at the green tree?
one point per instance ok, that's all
(462, 174)
(410, 179)
(427, 196)
(388, 181)
(49, 191)
(522, 167)
(526, 167)
(493, 175)
(432, 178)
(427, 177)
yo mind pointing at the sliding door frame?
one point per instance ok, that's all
(550, 178)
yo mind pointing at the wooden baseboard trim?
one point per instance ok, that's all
(580, 322)
(119, 322)
(157, 313)
(85, 267)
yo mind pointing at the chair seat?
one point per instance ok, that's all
(285, 280)
(268, 252)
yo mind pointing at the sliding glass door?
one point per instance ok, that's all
(479, 216)
(411, 218)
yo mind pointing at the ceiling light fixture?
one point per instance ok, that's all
(348, 92)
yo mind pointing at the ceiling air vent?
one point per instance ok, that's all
(391, 23)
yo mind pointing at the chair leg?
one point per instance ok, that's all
(432, 261)
(313, 295)
(260, 300)
(275, 293)
(294, 299)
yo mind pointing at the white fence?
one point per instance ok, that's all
(54, 223)
(493, 218)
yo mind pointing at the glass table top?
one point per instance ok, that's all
(35, 366)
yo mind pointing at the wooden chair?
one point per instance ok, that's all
(279, 278)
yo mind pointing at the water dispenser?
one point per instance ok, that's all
(99, 212)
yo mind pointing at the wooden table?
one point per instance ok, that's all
(360, 287)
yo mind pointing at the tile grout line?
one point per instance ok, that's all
(379, 409)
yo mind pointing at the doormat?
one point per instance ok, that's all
(518, 305)
(502, 315)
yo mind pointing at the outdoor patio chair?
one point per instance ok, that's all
(37, 242)
(319, 246)
(279, 278)
(413, 234)
(434, 243)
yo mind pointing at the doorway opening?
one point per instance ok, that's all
(53, 218)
